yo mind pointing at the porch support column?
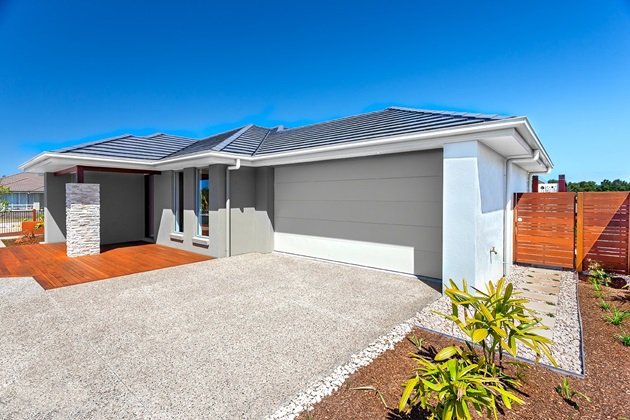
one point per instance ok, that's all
(83, 219)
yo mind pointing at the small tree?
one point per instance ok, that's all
(4, 203)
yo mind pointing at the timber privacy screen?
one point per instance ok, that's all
(568, 230)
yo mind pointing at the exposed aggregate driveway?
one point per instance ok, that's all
(229, 338)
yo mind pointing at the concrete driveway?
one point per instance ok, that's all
(228, 338)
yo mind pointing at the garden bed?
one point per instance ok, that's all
(607, 368)
(25, 240)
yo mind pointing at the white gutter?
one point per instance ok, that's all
(228, 208)
(508, 176)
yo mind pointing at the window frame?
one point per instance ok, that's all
(198, 212)
(178, 201)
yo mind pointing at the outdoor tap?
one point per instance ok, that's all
(493, 250)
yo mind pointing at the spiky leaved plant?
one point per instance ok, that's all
(453, 383)
(497, 320)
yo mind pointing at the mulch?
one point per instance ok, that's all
(607, 380)
(24, 240)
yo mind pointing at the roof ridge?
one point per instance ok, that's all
(269, 131)
(225, 143)
(334, 120)
(169, 135)
(459, 113)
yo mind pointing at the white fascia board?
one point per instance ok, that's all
(502, 136)
(52, 162)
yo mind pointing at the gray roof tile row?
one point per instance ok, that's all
(253, 140)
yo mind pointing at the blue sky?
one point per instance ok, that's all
(72, 71)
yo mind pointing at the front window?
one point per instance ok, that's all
(178, 201)
(203, 201)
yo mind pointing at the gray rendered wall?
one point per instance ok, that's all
(122, 206)
(252, 211)
(55, 207)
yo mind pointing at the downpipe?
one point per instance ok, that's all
(228, 208)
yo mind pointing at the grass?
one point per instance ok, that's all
(605, 306)
(616, 317)
(625, 339)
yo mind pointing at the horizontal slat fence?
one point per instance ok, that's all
(605, 220)
(569, 230)
(544, 229)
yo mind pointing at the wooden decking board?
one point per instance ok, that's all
(51, 268)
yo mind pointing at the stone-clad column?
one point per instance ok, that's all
(83, 219)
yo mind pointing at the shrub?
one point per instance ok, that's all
(597, 274)
(417, 341)
(455, 381)
(568, 394)
(497, 320)
(617, 316)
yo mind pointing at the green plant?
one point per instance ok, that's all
(597, 275)
(417, 341)
(378, 393)
(617, 316)
(624, 339)
(497, 320)
(455, 381)
(568, 394)
(4, 203)
(605, 306)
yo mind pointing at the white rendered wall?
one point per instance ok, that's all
(473, 212)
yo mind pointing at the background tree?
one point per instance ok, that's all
(4, 203)
(605, 185)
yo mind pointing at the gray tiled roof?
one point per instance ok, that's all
(23, 182)
(156, 146)
(252, 140)
(248, 142)
(373, 125)
(204, 145)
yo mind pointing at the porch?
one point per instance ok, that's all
(49, 265)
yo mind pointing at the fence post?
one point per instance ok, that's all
(34, 215)
(579, 233)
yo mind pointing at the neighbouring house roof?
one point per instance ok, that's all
(252, 140)
(23, 182)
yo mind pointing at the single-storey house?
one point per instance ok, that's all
(27, 191)
(422, 192)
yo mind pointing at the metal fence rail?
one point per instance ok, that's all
(11, 221)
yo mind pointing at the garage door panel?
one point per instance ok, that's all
(422, 238)
(382, 212)
(383, 166)
(428, 263)
(389, 189)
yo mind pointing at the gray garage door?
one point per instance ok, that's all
(383, 211)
